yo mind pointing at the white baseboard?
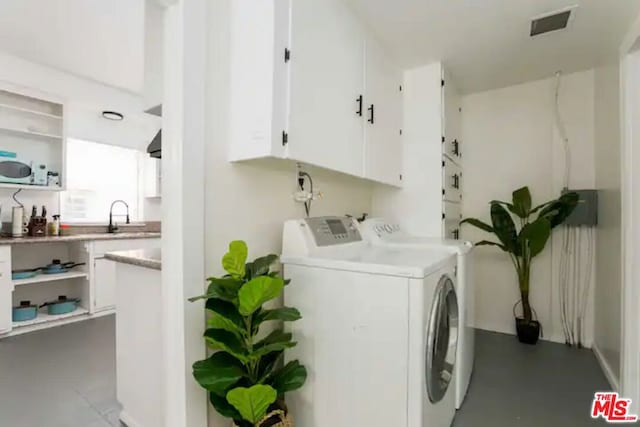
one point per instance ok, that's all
(606, 369)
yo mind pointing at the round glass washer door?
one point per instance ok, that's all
(442, 340)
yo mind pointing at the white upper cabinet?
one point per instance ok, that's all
(298, 89)
(383, 112)
(327, 69)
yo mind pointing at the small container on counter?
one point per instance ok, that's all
(54, 226)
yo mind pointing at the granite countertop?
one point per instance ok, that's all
(78, 238)
(148, 258)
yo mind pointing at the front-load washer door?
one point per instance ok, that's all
(442, 340)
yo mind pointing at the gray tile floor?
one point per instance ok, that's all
(60, 377)
(65, 377)
(516, 385)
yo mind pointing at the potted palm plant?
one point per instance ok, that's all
(523, 240)
(245, 377)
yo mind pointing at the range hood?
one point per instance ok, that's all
(155, 148)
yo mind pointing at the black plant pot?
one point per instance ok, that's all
(528, 332)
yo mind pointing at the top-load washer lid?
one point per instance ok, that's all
(378, 231)
(388, 261)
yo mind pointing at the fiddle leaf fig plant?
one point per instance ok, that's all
(526, 237)
(245, 376)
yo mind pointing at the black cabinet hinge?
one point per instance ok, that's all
(442, 82)
(443, 164)
(443, 191)
(443, 139)
(287, 54)
(400, 88)
(444, 216)
(285, 138)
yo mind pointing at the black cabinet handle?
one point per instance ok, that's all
(359, 101)
(456, 148)
(456, 181)
(456, 234)
(371, 114)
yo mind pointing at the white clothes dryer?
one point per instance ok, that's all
(378, 231)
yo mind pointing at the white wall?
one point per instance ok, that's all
(608, 251)
(251, 201)
(509, 140)
(153, 53)
(96, 39)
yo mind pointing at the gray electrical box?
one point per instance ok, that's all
(586, 213)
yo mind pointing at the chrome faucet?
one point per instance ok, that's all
(112, 226)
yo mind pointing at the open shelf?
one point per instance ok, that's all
(30, 134)
(30, 187)
(34, 112)
(45, 320)
(41, 278)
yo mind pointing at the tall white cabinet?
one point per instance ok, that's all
(429, 202)
(309, 83)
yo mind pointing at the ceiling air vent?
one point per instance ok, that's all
(553, 21)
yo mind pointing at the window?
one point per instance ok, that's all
(98, 174)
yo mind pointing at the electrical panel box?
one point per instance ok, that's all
(586, 212)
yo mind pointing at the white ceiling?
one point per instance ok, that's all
(485, 44)
(99, 39)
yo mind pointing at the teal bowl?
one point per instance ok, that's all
(62, 305)
(25, 311)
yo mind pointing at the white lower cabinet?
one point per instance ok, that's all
(104, 284)
(94, 282)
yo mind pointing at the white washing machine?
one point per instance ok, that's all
(379, 328)
(380, 232)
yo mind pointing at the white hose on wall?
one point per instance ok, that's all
(576, 267)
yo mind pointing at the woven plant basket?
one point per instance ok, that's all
(285, 419)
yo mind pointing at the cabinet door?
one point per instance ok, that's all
(104, 284)
(383, 117)
(152, 177)
(451, 117)
(451, 181)
(327, 79)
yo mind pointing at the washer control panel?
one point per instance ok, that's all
(333, 230)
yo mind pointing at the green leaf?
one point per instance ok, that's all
(288, 378)
(488, 243)
(285, 314)
(218, 373)
(521, 202)
(258, 291)
(224, 315)
(233, 261)
(559, 210)
(504, 228)
(225, 288)
(252, 403)
(223, 407)
(535, 235)
(260, 266)
(275, 341)
(477, 223)
(267, 364)
(537, 208)
(219, 339)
